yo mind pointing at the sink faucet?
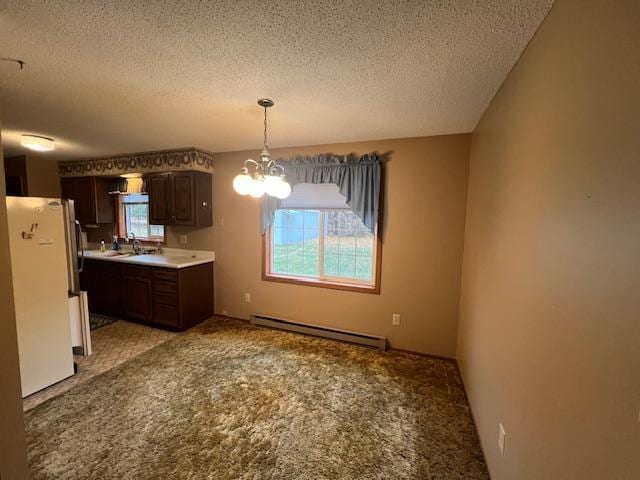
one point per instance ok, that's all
(137, 246)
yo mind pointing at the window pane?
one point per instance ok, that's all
(137, 215)
(331, 218)
(364, 268)
(295, 251)
(346, 245)
(364, 243)
(294, 219)
(311, 245)
(331, 243)
(157, 230)
(278, 219)
(295, 240)
(279, 250)
(330, 265)
(135, 198)
(347, 266)
(311, 219)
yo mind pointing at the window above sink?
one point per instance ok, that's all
(133, 218)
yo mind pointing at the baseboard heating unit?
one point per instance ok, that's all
(318, 331)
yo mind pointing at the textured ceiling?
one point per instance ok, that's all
(123, 76)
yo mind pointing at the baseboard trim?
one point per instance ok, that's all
(426, 355)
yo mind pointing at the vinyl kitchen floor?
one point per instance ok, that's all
(112, 344)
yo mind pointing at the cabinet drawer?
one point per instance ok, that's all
(165, 298)
(165, 287)
(166, 315)
(110, 268)
(165, 274)
(137, 271)
(91, 265)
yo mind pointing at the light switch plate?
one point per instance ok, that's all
(183, 239)
(501, 438)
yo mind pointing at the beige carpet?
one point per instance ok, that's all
(228, 401)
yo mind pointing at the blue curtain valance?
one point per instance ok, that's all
(358, 180)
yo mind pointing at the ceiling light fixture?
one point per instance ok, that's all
(264, 176)
(37, 143)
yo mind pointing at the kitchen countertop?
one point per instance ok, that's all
(170, 258)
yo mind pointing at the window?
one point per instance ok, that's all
(134, 218)
(324, 247)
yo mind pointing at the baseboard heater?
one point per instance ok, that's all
(318, 331)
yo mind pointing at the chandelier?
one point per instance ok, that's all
(265, 175)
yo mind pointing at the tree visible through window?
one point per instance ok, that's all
(135, 208)
(326, 245)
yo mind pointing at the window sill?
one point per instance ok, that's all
(310, 282)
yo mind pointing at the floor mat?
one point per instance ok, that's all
(97, 321)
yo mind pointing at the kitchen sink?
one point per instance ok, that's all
(118, 254)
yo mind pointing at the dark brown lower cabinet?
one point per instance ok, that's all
(101, 281)
(137, 293)
(167, 297)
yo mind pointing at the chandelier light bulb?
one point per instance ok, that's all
(284, 190)
(272, 185)
(256, 189)
(242, 184)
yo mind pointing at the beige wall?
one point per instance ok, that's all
(42, 177)
(13, 459)
(549, 340)
(426, 180)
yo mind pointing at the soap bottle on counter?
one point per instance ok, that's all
(116, 245)
(102, 247)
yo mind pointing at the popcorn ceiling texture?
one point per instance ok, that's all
(229, 401)
(105, 78)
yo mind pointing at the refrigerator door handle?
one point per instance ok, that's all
(79, 242)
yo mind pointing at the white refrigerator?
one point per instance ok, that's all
(50, 309)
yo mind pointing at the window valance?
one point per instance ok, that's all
(358, 180)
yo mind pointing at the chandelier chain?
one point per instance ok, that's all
(265, 128)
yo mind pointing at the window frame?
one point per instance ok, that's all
(122, 227)
(330, 282)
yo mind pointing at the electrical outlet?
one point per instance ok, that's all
(395, 319)
(225, 313)
(247, 298)
(183, 239)
(501, 438)
(222, 221)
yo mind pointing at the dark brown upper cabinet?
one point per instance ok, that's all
(91, 197)
(180, 198)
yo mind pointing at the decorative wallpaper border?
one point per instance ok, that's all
(164, 160)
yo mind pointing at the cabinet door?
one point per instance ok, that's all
(67, 188)
(84, 199)
(104, 203)
(81, 191)
(91, 197)
(111, 293)
(137, 298)
(158, 187)
(183, 199)
(89, 282)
